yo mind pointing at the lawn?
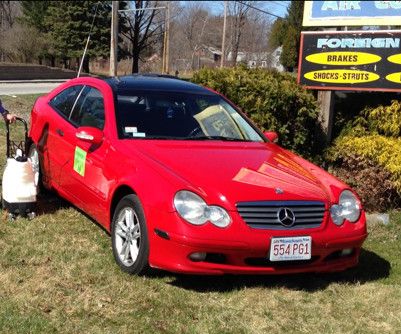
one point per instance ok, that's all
(57, 275)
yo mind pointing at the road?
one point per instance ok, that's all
(33, 87)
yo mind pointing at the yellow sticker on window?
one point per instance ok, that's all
(79, 161)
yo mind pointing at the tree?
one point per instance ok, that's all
(145, 27)
(8, 13)
(289, 55)
(33, 19)
(255, 28)
(238, 11)
(68, 24)
(194, 20)
(295, 14)
(286, 32)
(278, 33)
(23, 43)
(34, 13)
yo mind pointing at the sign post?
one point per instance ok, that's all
(325, 99)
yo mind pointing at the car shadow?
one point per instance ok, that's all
(371, 267)
(48, 203)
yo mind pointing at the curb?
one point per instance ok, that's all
(33, 81)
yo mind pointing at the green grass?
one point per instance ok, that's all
(57, 275)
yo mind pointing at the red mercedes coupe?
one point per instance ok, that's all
(184, 182)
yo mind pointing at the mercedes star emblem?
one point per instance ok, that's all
(286, 217)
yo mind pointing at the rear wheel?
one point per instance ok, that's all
(130, 237)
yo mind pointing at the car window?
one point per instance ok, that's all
(159, 115)
(89, 109)
(64, 101)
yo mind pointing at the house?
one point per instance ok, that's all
(241, 57)
(275, 59)
(269, 60)
(258, 60)
(204, 56)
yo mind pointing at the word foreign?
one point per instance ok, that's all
(334, 43)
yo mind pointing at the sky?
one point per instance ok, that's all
(278, 8)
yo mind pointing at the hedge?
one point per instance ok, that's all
(368, 156)
(383, 120)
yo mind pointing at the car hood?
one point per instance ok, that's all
(232, 172)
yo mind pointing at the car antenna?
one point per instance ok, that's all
(87, 41)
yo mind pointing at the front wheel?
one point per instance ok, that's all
(129, 236)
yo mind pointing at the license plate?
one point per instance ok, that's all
(291, 249)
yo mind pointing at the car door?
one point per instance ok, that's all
(54, 142)
(83, 176)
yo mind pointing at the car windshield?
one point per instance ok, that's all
(181, 116)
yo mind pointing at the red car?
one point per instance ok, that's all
(184, 182)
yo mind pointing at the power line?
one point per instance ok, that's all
(279, 3)
(260, 10)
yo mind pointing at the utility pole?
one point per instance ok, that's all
(114, 39)
(166, 41)
(223, 43)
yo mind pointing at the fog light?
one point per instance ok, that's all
(197, 256)
(346, 251)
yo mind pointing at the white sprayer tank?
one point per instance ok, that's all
(19, 188)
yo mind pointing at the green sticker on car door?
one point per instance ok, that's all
(79, 161)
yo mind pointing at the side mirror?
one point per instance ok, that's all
(272, 136)
(89, 134)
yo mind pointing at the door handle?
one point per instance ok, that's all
(60, 132)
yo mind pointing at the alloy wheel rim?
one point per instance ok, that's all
(34, 158)
(127, 236)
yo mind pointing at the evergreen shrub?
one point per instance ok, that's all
(368, 156)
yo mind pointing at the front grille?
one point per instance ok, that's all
(264, 214)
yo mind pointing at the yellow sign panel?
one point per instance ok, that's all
(341, 76)
(394, 77)
(343, 58)
(396, 59)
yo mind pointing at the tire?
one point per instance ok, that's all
(129, 236)
(33, 156)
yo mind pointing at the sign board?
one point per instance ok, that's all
(351, 13)
(351, 60)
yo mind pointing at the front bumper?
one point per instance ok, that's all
(240, 249)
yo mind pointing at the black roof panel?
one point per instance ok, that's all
(154, 82)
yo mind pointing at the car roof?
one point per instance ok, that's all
(154, 82)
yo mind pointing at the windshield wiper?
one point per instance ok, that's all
(222, 138)
(217, 138)
(158, 138)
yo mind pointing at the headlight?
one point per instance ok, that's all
(194, 210)
(348, 208)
